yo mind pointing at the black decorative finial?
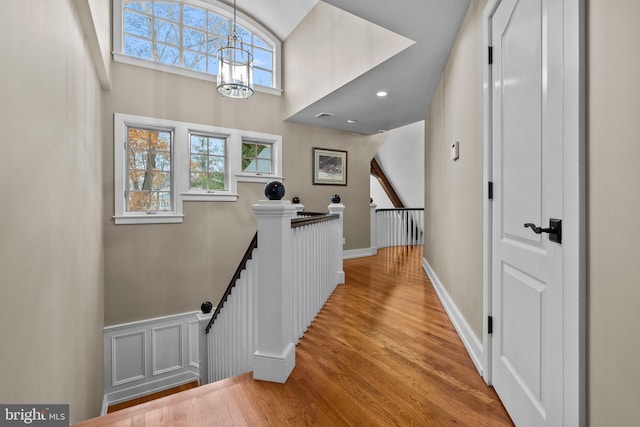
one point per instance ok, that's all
(206, 307)
(296, 200)
(335, 199)
(274, 190)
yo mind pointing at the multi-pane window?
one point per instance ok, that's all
(262, 57)
(257, 157)
(159, 164)
(183, 35)
(149, 170)
(207, 162)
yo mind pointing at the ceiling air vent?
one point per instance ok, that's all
(324, 115)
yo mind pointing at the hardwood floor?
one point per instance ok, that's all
(382, 352)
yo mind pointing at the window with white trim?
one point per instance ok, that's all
(256, 157)
(208, 163)
(183, 37)
(149, 187)
(159, 164)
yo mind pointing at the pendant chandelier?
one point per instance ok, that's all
(235, 66)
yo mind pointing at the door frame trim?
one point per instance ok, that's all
(574, 201)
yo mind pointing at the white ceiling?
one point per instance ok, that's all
(410, 77)
(280, 16)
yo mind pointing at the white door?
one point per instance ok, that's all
(527, 171)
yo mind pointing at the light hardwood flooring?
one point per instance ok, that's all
(382, 352)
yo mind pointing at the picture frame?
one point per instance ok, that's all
(329, 167)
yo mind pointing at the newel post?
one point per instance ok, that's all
(338, 208)
(274, 358)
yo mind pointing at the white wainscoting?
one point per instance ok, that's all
(469, 339)
(151, 355)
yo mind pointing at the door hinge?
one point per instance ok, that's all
(490, 190)
(490, 324)
(490, 52)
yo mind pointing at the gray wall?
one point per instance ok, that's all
(51, 258)
(613, 206)
(453, 190)
(454, 207)
(156, 270)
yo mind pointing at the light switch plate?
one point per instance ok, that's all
(455, 150)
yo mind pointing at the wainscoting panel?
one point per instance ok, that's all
(166, 349)
(151, 355)
(129, 347)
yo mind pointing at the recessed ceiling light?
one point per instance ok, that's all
(351, 121)
(382, 94)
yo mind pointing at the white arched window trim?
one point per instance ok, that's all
(218, 8)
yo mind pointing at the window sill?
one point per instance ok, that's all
(209, 197)
(252, 177)
(132, 60)
(149, 219)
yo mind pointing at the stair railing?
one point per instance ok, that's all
(277, 293)
(234, 280)
(397, 227)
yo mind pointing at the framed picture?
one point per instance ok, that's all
(329, 167)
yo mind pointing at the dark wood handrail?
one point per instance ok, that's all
(243, 264)
(399, 209)
(300, 222)
(306, 213)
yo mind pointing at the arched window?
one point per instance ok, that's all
(183, 37)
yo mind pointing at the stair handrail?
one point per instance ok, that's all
(399, 209)
(243, 263)
(312, 218)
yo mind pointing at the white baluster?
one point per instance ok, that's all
(373, 223)
(338, 208)
(387, 228)
(317, 275)
(304, 300)
(295, 260)
(405, 226)
(256, 277)
(242, 333)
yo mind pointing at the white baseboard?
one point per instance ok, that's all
(105, 405)
(469, 339)
(358, 253)
(148, 388)
(150, 355)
